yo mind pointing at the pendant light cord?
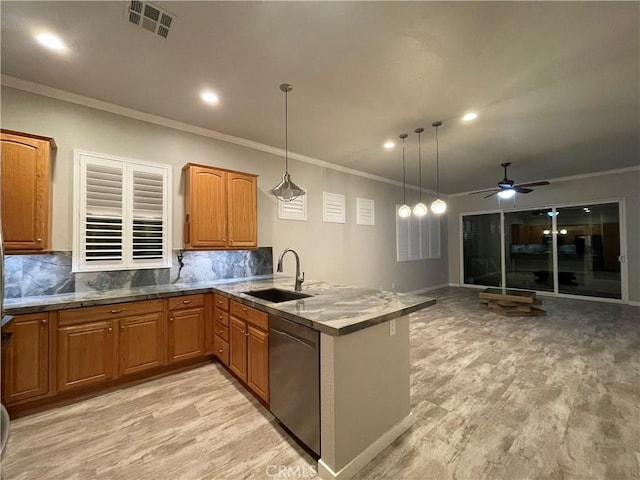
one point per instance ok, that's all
(420, 166)
(286, 132)
(404, 178)
(437, 165)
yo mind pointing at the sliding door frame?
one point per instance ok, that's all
(624, 273)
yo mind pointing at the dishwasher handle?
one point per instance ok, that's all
(303, 341)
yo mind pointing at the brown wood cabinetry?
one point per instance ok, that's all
(187, 317)
(25, 360)
(220, 209)
(249, 347)
(141, 342)
(87, 354)
(26, 192)
(221, 328)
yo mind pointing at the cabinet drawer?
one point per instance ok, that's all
(221, 316)
(221, 350)
(251, 315)
(106, 312)
(221, 302)
(222, 331)
(186, 301)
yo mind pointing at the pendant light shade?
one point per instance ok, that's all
(404, 211)
(286, 190)
(420, 210)
(438, 206)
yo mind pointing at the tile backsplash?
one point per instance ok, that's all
(50, 274)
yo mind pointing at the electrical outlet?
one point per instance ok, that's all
(392, 328)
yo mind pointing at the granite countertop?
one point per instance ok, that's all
(331, 309)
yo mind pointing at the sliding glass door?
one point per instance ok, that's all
(571, 250)
(588, 239)
(529, 251)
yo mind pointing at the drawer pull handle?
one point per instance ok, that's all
(219, 302)
(246, 334)
(43, 321)
(219, 317)
(244, 309)
(38, 240)
(118, 311)
(220, 331)
(242, 331)
(186, 301)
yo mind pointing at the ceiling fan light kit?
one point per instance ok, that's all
(286, 190)
(507, 188)
(404, 211)
(438, 206)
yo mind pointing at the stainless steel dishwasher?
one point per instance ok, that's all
(294, 376)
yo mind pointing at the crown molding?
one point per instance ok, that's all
(46, 91)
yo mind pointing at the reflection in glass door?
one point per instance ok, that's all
(481, 249)
(588, 239)
(528, 249)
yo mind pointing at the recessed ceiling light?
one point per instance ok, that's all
(209, 97)
(470, 116)
(389, 145)
(50, 41)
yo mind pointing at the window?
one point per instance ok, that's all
(417, 238)
(122, 214)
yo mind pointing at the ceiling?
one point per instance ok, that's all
(555, 85)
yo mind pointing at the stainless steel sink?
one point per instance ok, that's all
(276, 295)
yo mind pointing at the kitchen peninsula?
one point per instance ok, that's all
(364, 354)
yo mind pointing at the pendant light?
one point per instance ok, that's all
(286, 190)
(404, 211)
(420, 210)
(438, 206)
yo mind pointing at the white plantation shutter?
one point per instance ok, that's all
(294, 210)
(122, 214)
(417, 238)
(333, 208)
(365, 213)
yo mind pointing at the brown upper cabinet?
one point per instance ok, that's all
(26, 192)
(221, 209)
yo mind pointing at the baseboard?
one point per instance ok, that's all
(633, 303)
(368, 454)
(428, 289)
(454, 284)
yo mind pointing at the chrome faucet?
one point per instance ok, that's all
(299, 279)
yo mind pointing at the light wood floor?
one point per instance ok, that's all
(554, 397)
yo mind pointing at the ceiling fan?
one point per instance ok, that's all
(507, 188)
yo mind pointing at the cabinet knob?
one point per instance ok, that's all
(171, 319)
(219, 317)
(121, 327)
(219, 350)
(118, 310)
(244, 309)
(241, 331)
(246, 334)
(109, 329)
(43, 321)
(38, 240)
(220, 332)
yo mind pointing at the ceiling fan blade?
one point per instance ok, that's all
(485, 191)
(519, 189)
(491, 194)
(532, 184)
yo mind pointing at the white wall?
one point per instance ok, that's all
(604, 187)
(347, 254)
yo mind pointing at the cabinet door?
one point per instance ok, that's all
(186, 334)
(25, 360)
(258, 362)
(238, 347)
(243, 210)
(26, 179)
(87, 354)
(206, 203)
(141, 343)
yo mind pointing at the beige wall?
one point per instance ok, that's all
(604, 187)
(348, 254)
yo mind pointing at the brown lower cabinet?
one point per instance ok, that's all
(141, 342)
(187, 317)
(25, 360)
(249, 347)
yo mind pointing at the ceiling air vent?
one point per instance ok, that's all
(150, 17)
